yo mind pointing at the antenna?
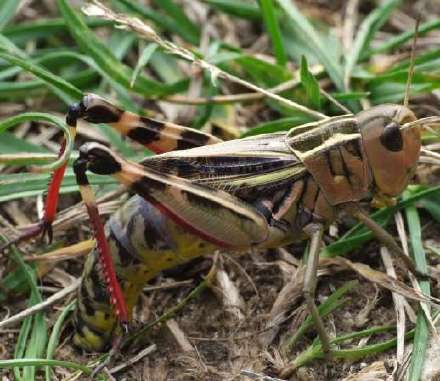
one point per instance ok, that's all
(411, 63)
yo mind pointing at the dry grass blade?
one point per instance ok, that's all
(258, 376)
(131, 361)
(383, 280)
(431, 368)
(373, 372)
(179, 336)
(287, 297)
(230, 295)
(399, 305)
(64, 253)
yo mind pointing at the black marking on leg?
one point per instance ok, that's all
(98, 159)
(148, 134)
(190, 139)
(103, 114)
(80, 168)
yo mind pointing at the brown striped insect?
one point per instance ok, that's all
(260, 192)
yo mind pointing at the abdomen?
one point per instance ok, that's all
(143, 242)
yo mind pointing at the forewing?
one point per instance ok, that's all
(245, 167)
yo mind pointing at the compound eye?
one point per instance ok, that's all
(391, 137)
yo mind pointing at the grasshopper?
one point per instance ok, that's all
(200, 194)
(259, 192)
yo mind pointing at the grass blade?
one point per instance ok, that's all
(20, 185)
(359, 235)
(333, 302)
(310, 84)
(142, 61)
(314, 351)
(55, 335)
(59, 85)
(397, 41)
(12, 121)
(7, 11)
(271, 23)
(161, 20)
(114, 71)
(372, 23)
(282, 124)
(306, 30)
(187, 28)
(7, 364)
(33, 334)
(38, 29)
(246, 10)
(421, 336)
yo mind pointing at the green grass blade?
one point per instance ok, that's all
(39, 29)
(264, 73)
(310, 84)
(144, 57)
(9, 144)
(282, 124)
(161, 20)
(7, 11)
(314, 351)
(421, 336)
(20, 345)
(432, 205)
(55, 335)
(33, 334)
(242, 9)
(56, 83)
(307, 32)
(333, 302)
(10, 122)
(372, 23)
(271, 23)
(187, 28)
(8, 364)
(397, 41)
(114, 71)
(20, 185)
(359, 235)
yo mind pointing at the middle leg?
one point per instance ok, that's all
(315, 232)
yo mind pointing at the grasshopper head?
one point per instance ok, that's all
(392, 152)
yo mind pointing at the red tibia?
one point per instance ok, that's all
(53, 192)
(50, 207)
(116, 296)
